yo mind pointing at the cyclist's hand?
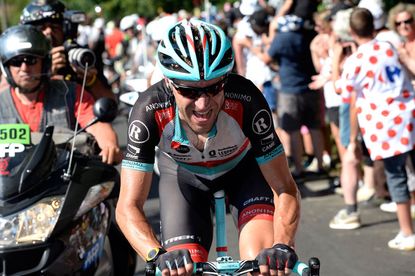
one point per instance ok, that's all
(280, 257)
(177, 262)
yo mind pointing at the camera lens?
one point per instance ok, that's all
(81, 56)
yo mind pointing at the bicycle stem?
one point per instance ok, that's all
(220, 212)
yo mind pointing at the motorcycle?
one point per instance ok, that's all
(57, 204)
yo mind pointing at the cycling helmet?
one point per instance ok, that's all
(42, 10)
(23, 40)
(195, 50)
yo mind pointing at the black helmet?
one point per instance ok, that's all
(42, 10)
(23, 40)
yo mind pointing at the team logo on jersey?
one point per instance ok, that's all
(138, 132)
(182, 149)
(262, 122)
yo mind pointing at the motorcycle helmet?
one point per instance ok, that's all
(195, 50)
(23, 40)
(42, 10)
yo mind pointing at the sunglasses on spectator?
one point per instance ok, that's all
(28, 60)
(406, 22)
(195, 92)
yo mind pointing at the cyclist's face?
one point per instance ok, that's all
(200, 112)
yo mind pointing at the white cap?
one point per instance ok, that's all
(376, 9)
(248, 7)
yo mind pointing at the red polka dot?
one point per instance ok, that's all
(359, 110)
(389, 100)
(357, 70)
(397, 120)
(378, 157)
(370, 74)
(385, 113)
(405, 141)
(406, 94)
(402, 106)
(385, 145)
(366, 86)
(376, 47)
(360, 55)
(373, 106)
(389, 53)
(362, 130)
(369, 117)
(413, 113)
(349, 88)
(373, 60)
(379, 125)
(410, 127)
(397, 153)
(391, 133)
(373, 138)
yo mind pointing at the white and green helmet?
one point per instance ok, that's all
(193, 50)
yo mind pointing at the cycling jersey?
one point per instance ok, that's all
(244, 123)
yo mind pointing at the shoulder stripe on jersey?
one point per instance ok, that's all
(127, 164)
(271, 155)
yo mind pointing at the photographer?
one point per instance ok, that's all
(50, 17)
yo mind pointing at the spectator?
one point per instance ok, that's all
(48, 16)
(297, 104)
(380, 97)
(38, 101)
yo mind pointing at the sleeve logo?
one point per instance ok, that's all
(138, 132)
(262, 122)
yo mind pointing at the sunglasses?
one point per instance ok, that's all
(28, 60)
(406, 22)
(195, 92)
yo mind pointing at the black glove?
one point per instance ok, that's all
(174, 259)
(278, 257)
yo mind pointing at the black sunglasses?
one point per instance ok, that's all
(195, 92)
(17, 61)
(406, 22)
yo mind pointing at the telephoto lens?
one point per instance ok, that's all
(81, 56)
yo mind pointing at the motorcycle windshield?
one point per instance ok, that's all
(22, 165)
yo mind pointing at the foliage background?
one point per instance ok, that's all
(115, 9)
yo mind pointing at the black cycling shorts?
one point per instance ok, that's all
(186, 202)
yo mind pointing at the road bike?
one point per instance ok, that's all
(225, 264)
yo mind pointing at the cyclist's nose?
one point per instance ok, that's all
(203, 100)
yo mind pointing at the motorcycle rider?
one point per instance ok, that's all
(34, 99)
(48, 16)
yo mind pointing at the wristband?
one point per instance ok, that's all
(92, 81)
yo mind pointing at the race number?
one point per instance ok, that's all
(15, 133)
(13, 138)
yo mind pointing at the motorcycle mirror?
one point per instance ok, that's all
(105, 110)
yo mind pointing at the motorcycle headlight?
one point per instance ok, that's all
(32, 225)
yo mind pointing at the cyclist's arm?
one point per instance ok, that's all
(286, 199)
(130, 210)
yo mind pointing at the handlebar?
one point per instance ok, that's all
(226, 266)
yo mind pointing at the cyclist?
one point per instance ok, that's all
(34, 99)
(213, 130)
(48, 16)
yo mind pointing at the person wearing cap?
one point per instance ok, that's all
(213, 131)
(34, 99)
(48, 16)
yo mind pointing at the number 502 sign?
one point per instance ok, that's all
(13, 137)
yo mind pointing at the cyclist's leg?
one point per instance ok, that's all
(184, 211)
(252, 206)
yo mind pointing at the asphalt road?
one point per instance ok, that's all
(361, 252)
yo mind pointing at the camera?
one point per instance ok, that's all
(77, 55)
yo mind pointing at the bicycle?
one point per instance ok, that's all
(226, 265)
